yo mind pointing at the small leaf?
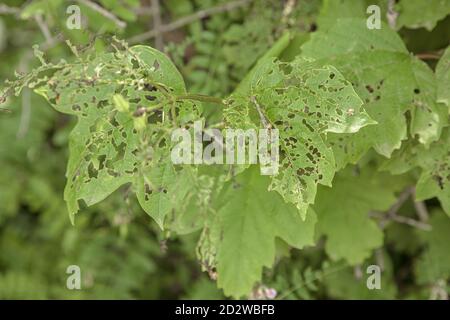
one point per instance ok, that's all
(418, 13)
(305, 101)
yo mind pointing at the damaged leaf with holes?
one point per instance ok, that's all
(305, 102)
(112, 146)
(376, 62)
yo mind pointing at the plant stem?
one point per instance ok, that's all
(201, 97)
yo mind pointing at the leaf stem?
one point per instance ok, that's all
(201, 97)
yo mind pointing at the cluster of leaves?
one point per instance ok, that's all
(362, 121)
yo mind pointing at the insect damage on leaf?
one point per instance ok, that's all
(376, 62)
(305, 101)
(126, 105)
(330, 96)
(241, 240)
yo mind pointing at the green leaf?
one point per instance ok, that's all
(402, 160)
(304, 101)
(434, 180)
(376, 61)
(109, 148)
(343, 214)
(418, 13)
(247, 221)
(161, 189)
(434, 262)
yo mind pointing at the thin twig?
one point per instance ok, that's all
(400, 201)
(202, 98)
(287, 10)
(421, 210)
(289, 6)
(4, 9)
(156, 14)
(357, 272)
(411, 222)
(384, 218)
(44, 28)
(96, 7)
(391, 214)
(392, 14)
(143, 11)
(379, 258)
(189, 19)
(428, 56)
